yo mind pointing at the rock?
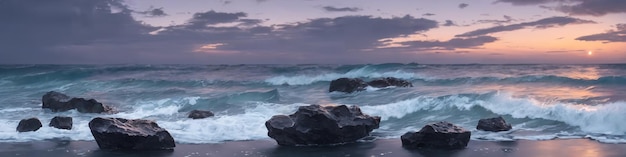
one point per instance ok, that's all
(55, 101)
(60, 122)
(347, 85)
(389, 81)
(315, 125)
(59, 102)
(130, 134)
(493, 124)
(30, 124)
(441, 135)
(200, 114)
(88, 106)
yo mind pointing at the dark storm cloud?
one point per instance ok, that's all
(540, 24)
(595, 7)
(463, 5)
(577, 7)
(617, 35)
(32, 27)
(98, 31)
(451, 44)
(331, 35)
(204, 19)
(344, 9)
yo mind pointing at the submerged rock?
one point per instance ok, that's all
(315, 124)
(55, 101)
(59, 102)
(200, 114)
(493, 124)
(88, 106)
(61, 122)
(389, 81)
(441, 135)
(347, 85)
(130, 134)
(30, 124)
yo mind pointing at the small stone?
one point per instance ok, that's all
(30, 124)
(60, 122)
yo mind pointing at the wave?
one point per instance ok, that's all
(363, 72)
(232, 102)
(529, 79)
(605, 120)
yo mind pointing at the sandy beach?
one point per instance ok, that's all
(268, 148)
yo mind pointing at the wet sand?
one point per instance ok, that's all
(269, 148)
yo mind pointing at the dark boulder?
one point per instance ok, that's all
(200, 114)
(315, 125)
(55, 101)
(59, 102)
(61, 122)
(88, 106)
(493, 124)
(441, 135)
(30, 124)
(389, 81)
(130, 134)
(347, 85)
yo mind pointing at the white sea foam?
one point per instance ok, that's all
(249, 125)
(606, 119)
(602, 122)
(364, 72)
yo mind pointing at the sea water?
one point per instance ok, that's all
(542, 102)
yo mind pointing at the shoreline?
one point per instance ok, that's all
(269, 148)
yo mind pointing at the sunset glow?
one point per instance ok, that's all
(277, 31)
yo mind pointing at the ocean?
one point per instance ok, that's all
(542, 102)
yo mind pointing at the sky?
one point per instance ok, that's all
(312, 31)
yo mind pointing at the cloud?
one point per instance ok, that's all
(451, 44)
(331, 35)
(153, 12)
(206, 19)
(428, 14)
(577, 7)
(539, 24)
(463, 5)
(344, 9)
(449, 23)
(507, 19)
(526, 2)
(99, 31)
(617, 35)
(31, 28)
(595, 7)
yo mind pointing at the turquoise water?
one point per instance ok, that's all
(541, 101)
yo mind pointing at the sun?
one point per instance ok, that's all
(590, 53)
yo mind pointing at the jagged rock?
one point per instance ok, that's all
(55, 101)
(389, 81)
(59, 102)
(442, 135)
(88, 106)
(130, 134)
(200, 114)
(347, 85)
(60, 122)
(315, 124)
(493, 124)
(30, 124)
